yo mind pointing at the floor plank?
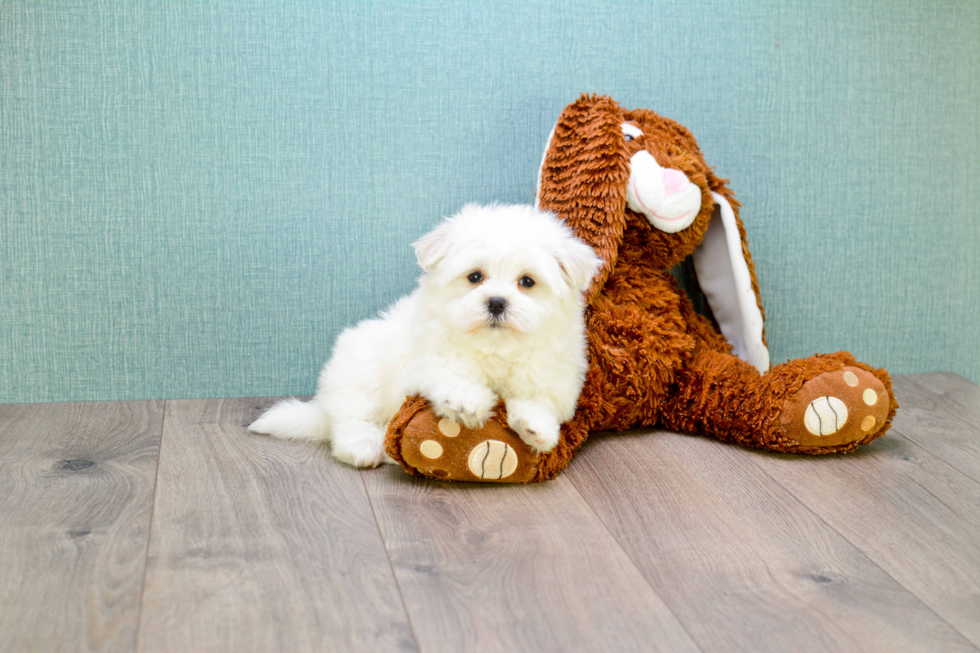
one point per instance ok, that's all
(915, 516)
(649, 541)
(514, 568)
(739, 560)
(946, 383)
(76, 489)
(941, 413)
(262, 545)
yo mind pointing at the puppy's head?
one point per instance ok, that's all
(502, 271)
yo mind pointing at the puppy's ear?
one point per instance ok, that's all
(578, 263)
(433, 246)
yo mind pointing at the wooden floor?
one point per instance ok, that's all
(164, 526)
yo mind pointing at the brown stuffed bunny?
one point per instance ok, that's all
(635, 187)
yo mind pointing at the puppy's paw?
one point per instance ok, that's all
(470, 406)
(358, 444)
(360, 455)
(535, 423)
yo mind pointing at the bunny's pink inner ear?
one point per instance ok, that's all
(584, 175)
(544, 157)
(726, 279)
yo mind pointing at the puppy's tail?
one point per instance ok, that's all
(293, 419)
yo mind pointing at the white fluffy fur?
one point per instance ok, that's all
(442, 341)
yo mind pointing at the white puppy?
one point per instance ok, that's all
(498, 313)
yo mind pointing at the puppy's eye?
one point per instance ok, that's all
(526, 282)
(475, 277)
(627, 138)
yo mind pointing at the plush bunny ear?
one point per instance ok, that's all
(584, 175)
(727, 278)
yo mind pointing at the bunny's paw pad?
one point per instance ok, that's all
(492, 460)
(444, 449)
(835, 408)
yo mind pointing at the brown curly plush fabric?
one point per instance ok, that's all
(652, 359)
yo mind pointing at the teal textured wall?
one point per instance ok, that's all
(196, 197)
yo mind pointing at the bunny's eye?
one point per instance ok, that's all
(630, 132)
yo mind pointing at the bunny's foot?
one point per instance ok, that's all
(828, 403)
(835, 409)
(441, 448)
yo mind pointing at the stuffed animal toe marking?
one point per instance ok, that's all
(443, 449)
(492, 460)
(836, 408)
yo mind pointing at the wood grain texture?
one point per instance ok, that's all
(514, 568)
(741, 562)
(262, 545)
(648, 541)
(914, 515)
(941, 413)
(76, 489)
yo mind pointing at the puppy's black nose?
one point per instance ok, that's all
(496, 306)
